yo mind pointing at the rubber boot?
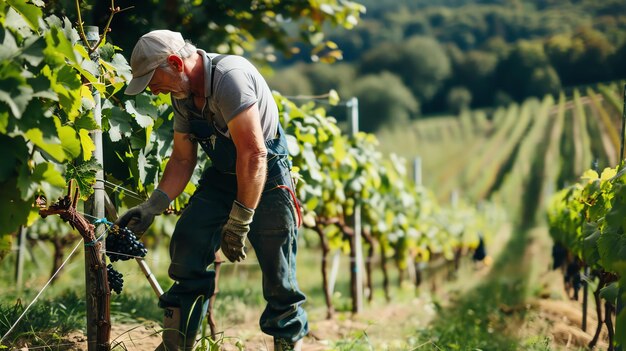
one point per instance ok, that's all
(173, 338)
(286, 345)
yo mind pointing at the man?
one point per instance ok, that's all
(224, 104)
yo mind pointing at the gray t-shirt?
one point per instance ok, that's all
(237, 85)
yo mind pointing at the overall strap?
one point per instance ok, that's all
(214, 61)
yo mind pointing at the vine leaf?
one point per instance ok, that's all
(4, 121)
(85, 176)
(69, 142)
(119, 125)
(31, 14)
(59, 48)
(45, 178)
(87, 145)
(15, 151)
(53, 149)
(9, 46)
(14, 210)
(121, 66)
(610, 292)
(86, 122)
(142, 119)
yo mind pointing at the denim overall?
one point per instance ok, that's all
(273, 235)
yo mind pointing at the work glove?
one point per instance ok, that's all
(140, 217)
(235, 231)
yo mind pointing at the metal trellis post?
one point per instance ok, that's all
(95, 205)
(357, 242)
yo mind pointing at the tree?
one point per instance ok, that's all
(324, 77)
(476, 71)
(581, 58)
(527, 72)
(290, 81)
(424, 66)
(459, 99)
(420, 61)
(47, 77)
(619, 62)
(228, 26)
(383, 99)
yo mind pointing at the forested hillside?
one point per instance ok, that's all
(425, 57)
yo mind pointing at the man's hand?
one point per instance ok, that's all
(140, 217)
(235, 231)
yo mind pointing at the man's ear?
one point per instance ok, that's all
(176, 62)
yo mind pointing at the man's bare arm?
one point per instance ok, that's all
(180, 166)
(245, 130)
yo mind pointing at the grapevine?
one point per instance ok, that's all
(588, 220)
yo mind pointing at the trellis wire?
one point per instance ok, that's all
(41, 291)
(50, 280)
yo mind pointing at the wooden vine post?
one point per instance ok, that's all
(100, 293)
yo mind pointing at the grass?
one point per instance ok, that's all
(61, 307)
(482, 313)
(45, 323)
(490, 316)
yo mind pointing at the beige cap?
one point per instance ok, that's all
(151, 50)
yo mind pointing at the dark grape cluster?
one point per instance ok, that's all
(573, 277)
(559, 255)
(480, 253)
(122, 245)
(116, 281)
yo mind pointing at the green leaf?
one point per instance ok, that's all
(590, 245)
(87, 144)
(47, 173)
(66, 84)
(119, 124)
(121, 66)
(610, 292)
(32, 50)
(87, 122)
(42, 88)
(85, 176)
(69, 141)
(68, 29)
(13, 89)
(88, 66)
(44, 177)
(612, 247)
(17, 23)
(142, 119)
(87, 98)
(51, 148)
(59, 47)
(9, 47)
(4, 121)
(13, 210)
(292, 145)
(15, 152)
(142, 166)
(31, 13)
(17, 101)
